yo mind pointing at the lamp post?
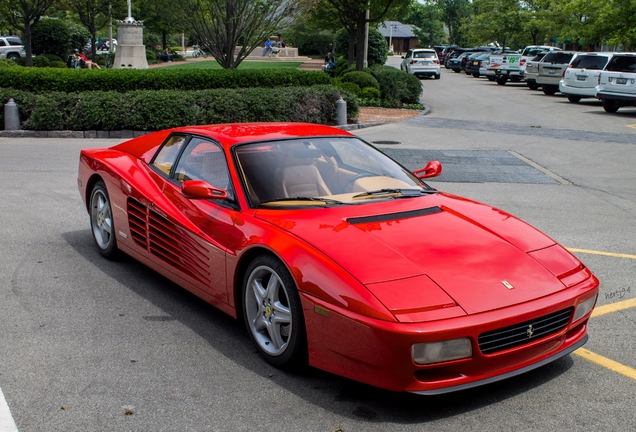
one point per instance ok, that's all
(393, 26)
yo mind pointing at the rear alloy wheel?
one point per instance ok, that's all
(102, 225)
(13, 56)
(574, 99)
(610, 106)
(273, 313)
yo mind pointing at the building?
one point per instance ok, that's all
(398, 36)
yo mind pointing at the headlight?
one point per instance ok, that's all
(584, 308)
(435, 352)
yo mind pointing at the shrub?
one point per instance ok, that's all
(58, 64)
(124, 80)
(396, 87)
(348, 86)
(41, 61)
(369, 93)
(6, 63)
(156, 110)
(58, 36)
(376, 50)
(363, 79)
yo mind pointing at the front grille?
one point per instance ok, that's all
(523, 333)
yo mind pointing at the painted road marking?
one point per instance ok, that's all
(613, 307)
(633, 126)
(607, 363)
(6, 421)
(610, 254)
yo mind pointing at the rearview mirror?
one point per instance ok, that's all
(199, 189)
(432, 169)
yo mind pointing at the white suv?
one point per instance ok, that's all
(11, 48)
(421, 62)
(581, 77)
(617, 83)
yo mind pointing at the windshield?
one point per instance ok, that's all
(322, 171)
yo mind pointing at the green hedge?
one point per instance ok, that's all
(397, 87)
(156, 110)
(125, 80)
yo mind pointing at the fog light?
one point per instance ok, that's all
(435, 352)
(584, 308)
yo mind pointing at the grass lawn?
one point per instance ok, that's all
(212, 64)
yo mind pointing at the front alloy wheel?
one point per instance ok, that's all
(102, 225)
(273, 314)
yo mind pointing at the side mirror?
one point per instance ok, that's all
(432, 169)
(199, 189)
(401, 56)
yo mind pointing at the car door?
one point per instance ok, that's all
(191, 235)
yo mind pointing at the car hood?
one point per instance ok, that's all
(478, 255)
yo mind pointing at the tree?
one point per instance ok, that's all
(352, 14)
(23, 15)
(428, 18)
(94, 15)
(57, 36)
(221, 25)
(453, 13)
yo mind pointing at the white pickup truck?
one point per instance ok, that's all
(512, 66)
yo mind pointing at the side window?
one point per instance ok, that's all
(409, 54)
(2, 43)
(204, 160)
(167, 156)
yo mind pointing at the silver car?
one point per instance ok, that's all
(11, 48)
(581, 77)
(421, 62)
(551, 69)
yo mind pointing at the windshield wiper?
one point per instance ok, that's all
(325, 200)
(404, 193)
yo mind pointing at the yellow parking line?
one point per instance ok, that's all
(633, 126)
(606, 363)
(613, 307)
(611, 254)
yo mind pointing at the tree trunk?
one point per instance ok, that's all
(351, 53)
(28, 61)
(361, 42)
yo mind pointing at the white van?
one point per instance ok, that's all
(581, 76)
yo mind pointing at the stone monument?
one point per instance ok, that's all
(131, 51)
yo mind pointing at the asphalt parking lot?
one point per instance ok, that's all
(89, 344)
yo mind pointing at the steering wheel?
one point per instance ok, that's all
(353, 179)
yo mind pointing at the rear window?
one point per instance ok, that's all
(597, 62)
(558, 58)
(622, 64)
(424, 54)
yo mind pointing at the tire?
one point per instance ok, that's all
(550, 91)
(574, 99)
(456, 70)
(204, 54)
(491, 78)
(501, 80)
(195, 54)
(476, 74)
(102, 225)
(532, 85)
(273, 313)
(610, 106)
(438, 76)
(13, 56)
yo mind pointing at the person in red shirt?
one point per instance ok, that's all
(85, 61)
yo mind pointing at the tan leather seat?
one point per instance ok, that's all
(299, 177)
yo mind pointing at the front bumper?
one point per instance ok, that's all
(379, 352)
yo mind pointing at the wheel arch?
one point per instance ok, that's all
(90, 184)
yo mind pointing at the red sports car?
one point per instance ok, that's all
(335, 255)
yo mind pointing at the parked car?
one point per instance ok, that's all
(421, 63)
(551, 68)
(455, 63)
(581, 76)
(485, 70)
(473, 63)
(11, 48)
(532, 70)
(617, 83)
(334, 255)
